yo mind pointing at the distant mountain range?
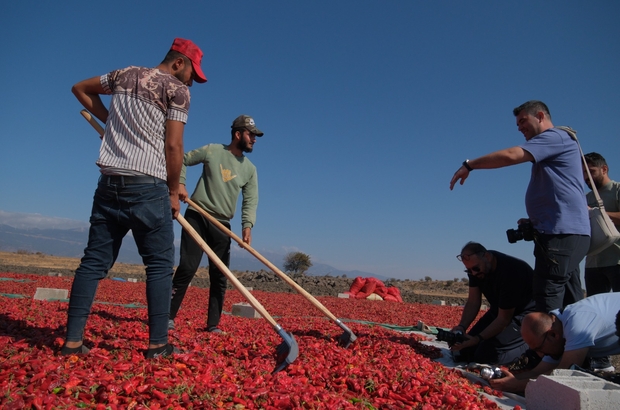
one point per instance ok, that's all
(71, 240)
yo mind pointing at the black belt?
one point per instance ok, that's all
(130, 180)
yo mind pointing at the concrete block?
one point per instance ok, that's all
(344, 295)
(51, 294)
(439, 302)
(245, 310)
(250, 288)
(571, 390)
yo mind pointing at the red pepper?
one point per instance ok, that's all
(71, 383)
(159, 395)
(37, 403)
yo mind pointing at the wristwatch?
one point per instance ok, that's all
(466, 165)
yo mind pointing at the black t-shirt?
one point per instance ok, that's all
(509, 286)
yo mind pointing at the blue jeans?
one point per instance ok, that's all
(144, 209)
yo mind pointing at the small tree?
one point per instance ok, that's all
(297, 262)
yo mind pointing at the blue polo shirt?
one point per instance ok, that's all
(591, 323)
(555, 199)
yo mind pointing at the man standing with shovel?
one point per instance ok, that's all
(140, 160)
(226, 172)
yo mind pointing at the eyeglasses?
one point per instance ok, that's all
(472, 269)
(469, 255)
(537, 349)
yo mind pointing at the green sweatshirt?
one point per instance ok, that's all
(223, 177)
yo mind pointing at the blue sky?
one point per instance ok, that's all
(368, 108)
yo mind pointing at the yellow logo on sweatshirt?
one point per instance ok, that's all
(226, 174)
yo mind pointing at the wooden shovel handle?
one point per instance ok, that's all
(224, 269)
(261, 258)
(93, 122)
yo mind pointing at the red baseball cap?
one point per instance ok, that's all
(191, 51)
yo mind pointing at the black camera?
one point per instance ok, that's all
(450, 337)
(524, 231)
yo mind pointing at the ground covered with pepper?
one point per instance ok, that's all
(383, 369)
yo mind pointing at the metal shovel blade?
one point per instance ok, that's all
(286, 352)
(346, 338)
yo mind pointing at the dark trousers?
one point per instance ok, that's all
(501, 349)
(191, 255)
(602, 280)
(556, 271)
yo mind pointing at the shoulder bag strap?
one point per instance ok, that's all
(573, 134)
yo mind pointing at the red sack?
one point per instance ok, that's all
(390, 298)
(357, 285)
(369, 287)
(381, 289)
(395, 292)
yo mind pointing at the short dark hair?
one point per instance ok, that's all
(173, 55)
(532, 107)
(473, 248)
(596, 159)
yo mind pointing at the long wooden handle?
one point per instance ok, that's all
(261, 258)
(93, 122)
(224, 269)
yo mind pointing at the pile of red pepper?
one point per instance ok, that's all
(383, 369)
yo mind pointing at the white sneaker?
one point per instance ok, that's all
(601, 364)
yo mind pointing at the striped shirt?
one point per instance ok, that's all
(143, 99)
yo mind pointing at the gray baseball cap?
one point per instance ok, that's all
(247, 122)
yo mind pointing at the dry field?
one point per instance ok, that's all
(422, 291)
(56, 263)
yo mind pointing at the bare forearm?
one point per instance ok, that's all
(174, 161)
(87, 93)
(173, 167)
(615, 217)
(498, 159)
(174, 154)
(503, 158)
(542, 368)
(470, 311)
